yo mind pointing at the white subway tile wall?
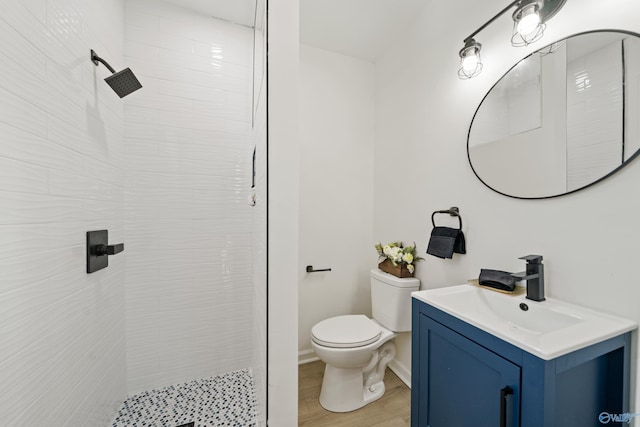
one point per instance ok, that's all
(594, 139)
(62, 359)
(188, 226)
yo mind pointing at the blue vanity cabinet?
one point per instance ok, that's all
(464, 377)
(467, 385)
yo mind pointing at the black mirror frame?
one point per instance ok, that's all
(625, 163)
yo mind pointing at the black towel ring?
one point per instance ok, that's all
(454, 211)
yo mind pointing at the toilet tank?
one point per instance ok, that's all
(391, 300)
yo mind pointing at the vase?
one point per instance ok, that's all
(399, 270)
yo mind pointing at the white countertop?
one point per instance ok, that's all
(548, 329)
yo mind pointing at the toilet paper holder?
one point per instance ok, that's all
(311, 270)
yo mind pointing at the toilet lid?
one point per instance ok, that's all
(354, 330)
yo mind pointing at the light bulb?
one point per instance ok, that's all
(528, 26)
(470, 63)
(529, 22)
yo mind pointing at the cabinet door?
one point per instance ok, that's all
(462, 384)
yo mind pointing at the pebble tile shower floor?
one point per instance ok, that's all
(225, 400)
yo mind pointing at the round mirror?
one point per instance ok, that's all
(561, 119)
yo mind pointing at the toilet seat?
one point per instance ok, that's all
(348, 331)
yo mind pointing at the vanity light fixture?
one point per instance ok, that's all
(470, 63)
(529, 20)
(527, 24)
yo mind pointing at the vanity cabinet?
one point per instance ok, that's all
(464, 377)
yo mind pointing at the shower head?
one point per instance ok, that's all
(123, 82)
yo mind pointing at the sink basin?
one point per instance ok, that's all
(547, 329)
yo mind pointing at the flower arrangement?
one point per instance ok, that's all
(398, 255)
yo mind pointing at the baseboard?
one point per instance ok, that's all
(401, 371)
(307, 356)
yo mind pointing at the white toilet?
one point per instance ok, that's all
(357, 349)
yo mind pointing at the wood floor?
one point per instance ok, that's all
(391, 410)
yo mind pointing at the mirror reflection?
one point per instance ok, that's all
(558, 121)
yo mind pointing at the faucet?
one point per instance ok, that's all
(534, 275)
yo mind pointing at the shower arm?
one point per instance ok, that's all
(95, 58)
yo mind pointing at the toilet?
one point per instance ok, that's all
(357, 349)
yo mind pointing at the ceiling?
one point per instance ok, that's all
(238, 11)
(358, 28)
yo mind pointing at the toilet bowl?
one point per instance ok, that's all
(357, 349)
(351, 363)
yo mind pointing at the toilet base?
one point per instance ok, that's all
(343, 390)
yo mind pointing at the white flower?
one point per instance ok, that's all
(395, 253)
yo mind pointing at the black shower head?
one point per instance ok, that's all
(123, 82)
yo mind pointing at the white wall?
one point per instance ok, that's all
(62, 359)
(283, 263)
(336, 181)
(531, 163)
(187, 221)
(588, 239)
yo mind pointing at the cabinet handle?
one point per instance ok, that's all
(506, 391)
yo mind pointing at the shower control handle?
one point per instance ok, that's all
(101, 250)
(98, 249)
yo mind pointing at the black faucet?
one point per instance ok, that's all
(534, 277)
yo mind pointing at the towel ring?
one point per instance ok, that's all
(453, 212)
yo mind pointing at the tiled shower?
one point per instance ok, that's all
(167, 170)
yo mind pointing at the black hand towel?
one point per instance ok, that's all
(497, 279)
(460, 246)
(445, 241)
